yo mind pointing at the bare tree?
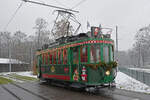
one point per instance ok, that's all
(19, 37)
(41, 32)
(62, 28)
(142, 45)
(5, 43)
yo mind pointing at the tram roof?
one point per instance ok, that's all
(84, 41)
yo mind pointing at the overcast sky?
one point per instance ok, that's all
(128, 15)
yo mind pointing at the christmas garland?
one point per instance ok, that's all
(107, 66)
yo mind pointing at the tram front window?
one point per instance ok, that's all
(111, 53)
(95, 54)
(106, 53)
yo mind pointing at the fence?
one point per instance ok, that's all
(141, 76)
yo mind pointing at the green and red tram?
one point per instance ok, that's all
(85, 60)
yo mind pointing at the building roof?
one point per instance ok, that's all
(12, 61)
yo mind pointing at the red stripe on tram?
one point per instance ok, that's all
(62, 77)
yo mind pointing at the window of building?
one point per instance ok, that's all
(83, 53)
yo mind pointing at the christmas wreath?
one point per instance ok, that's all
(107, 66)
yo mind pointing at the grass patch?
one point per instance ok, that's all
(20, 77)
(5, 80)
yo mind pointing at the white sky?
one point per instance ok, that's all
(128, 15)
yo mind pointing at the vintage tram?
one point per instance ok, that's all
(81, 61)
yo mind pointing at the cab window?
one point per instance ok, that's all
(95, 54)
(111, 53)
(106, 53)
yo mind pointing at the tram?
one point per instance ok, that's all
(84, 60)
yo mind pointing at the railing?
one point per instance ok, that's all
(141, 76)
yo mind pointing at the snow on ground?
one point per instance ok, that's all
(126, 82)
(8, 75)
(29, 74)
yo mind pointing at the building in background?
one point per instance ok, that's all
(16, 65)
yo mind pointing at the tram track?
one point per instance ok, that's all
(30, 92)
(24, 89)
(10, 92)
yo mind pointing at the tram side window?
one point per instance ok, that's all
(106, 53)
(54, 57)
(46, 58)
(83, 52)
(75, 55)
(43, 58)
(59, 57)
(50, 58)
(95, 54)
(65, 56)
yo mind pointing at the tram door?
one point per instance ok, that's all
(75, 63)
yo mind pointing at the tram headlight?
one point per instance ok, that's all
(107, 72)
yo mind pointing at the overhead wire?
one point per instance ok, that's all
(12, 17)
(60, 3)
(78, 4)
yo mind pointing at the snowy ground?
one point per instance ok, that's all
(8, 75)
(124, 81)
(27, 73)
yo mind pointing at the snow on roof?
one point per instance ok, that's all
(12, 61)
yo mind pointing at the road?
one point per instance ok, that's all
(44, 91)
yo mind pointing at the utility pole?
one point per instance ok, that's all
(117, 43)
(139, 59)
(0, 44)
(9, 47)
(39, 34)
